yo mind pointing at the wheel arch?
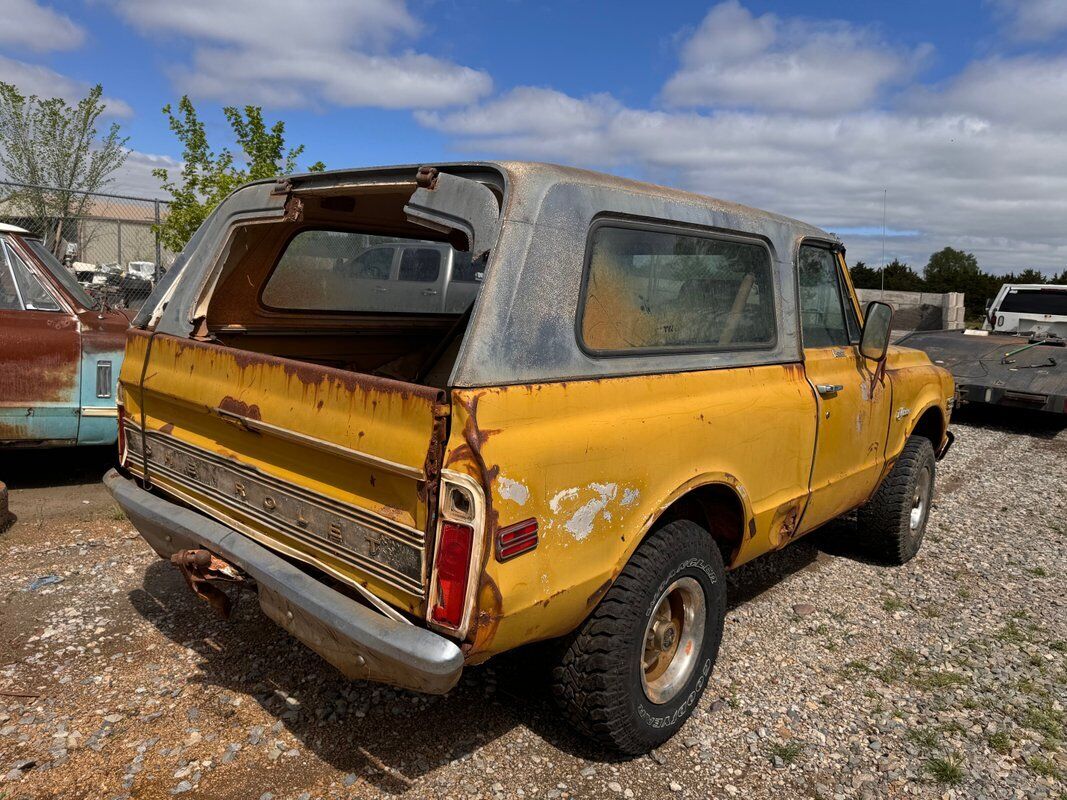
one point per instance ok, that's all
(718, 503)
(931, 424)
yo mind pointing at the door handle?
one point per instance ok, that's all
(381, 289)
(429, 291)
(828, 388)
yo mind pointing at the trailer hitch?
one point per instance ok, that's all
(201, 569)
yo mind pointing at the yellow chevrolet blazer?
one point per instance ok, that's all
(431, 414)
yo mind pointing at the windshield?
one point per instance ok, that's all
(60, 273)
(1035, 301)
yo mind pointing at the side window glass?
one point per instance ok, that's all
(822, 317)
(34, 296)
(464, 270)
(374, 264)
(9, 296)
(420, 264)
(660, 290)
(852, 321)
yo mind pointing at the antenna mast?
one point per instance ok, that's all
(885, 193)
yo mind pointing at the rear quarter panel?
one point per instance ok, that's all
(596, 462)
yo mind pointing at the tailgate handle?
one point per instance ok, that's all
(826, 389)
(258, 426)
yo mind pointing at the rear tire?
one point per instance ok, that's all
(893, 522)
(632, 673)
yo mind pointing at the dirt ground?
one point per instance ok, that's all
(838, 678)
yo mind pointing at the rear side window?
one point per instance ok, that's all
(420, 264)
(660, 290)
(1035, 301)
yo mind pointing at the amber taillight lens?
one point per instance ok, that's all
(453, 563)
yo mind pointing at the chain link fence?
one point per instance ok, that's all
(108, 241)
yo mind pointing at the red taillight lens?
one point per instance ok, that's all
(453, 563)
(516, 539)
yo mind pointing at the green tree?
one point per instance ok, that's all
(49, 143)
(902, 278)
(951, 270)
(1060, 279)
(863, 277)
(1030, 275)
(208, 177)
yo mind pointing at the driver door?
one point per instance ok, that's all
(39, 355)
(853, 401)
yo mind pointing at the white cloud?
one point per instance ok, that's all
(135, 177)
(33, 79)
(31, 26)
(1035, 20)
(977, 163)
(737, 60)
(1025, 91)
(340, 52)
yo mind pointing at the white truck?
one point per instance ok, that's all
(1028, 308)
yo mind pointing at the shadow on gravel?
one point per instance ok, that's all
(407, 734)
(1019, 421)
(402, 736)
(63, 466)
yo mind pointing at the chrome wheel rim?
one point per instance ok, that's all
(674, 637)
(920, 503)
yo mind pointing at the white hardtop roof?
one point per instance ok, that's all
(5, 228)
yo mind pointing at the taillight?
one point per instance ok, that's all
(516, 539)
(452, 567)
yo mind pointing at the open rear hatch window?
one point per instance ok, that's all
(309, 409)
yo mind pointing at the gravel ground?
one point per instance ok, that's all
(837, 678)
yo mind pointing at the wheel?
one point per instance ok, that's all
(893, 522)
(632, 673)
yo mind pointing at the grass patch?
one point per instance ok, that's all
(117, 515)
(1000, 742)
(1042, 766)
(1012, 634)
(1038, 572)
(891, 604)
(923, 737)
(1045, 721)
(936, 680)
(1059, 646)
(787, 751)
(947, 771)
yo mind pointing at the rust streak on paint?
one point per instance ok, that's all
(240, 408)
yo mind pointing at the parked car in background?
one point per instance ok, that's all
(60, 351)
(646, 387)
(1033, 309)
(408, 276)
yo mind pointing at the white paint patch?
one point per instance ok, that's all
(561, 498)
(630, 496)
(515, 491)
(580, 524)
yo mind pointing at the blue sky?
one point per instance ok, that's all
(806, 108)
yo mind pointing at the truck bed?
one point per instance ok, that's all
(1034, 378)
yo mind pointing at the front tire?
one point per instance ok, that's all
(893, 522)
(632, 674)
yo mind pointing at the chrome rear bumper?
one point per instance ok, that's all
(357, 640)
